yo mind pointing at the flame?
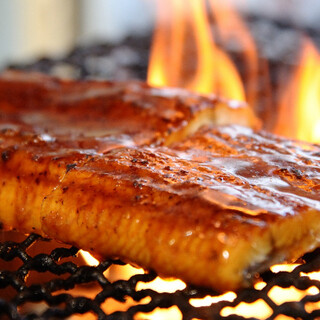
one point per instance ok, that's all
(183, 52)
(232, 29)
(258, 309)
(89, 259)
(299, 115)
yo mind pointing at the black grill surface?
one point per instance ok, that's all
(55, 300)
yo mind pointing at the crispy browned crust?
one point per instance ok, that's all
(122, 170)
(48, 125)
(212, 210)
(30, 168)
(132, 112)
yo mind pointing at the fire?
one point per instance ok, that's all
(301, 100)
(89, 259)
(232, 29)
(184, 54)
(258, 309)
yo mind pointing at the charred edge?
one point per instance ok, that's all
(70, 166)
(297, 173)
(35, 158)
(5, 155)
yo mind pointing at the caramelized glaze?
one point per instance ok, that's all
(48, 125)
(213, 209)
(128, 111)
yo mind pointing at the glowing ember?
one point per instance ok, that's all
(161, 285)
(257, 309)
(209, 300)
(89, 259)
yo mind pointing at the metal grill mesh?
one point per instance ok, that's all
(58, 300)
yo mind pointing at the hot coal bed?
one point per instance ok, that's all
(51, 297)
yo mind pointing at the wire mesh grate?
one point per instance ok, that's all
(56, 298)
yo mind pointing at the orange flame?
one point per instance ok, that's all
(231, 29)
(299, 115)
(183, 53)
(89, 259)
(258, 309)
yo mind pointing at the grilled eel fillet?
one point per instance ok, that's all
(213, 208)
(48, 125)
(132, 112)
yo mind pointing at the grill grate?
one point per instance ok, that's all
(57, 301)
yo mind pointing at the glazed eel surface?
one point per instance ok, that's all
(163, 178)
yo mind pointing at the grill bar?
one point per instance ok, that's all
(66, 275)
